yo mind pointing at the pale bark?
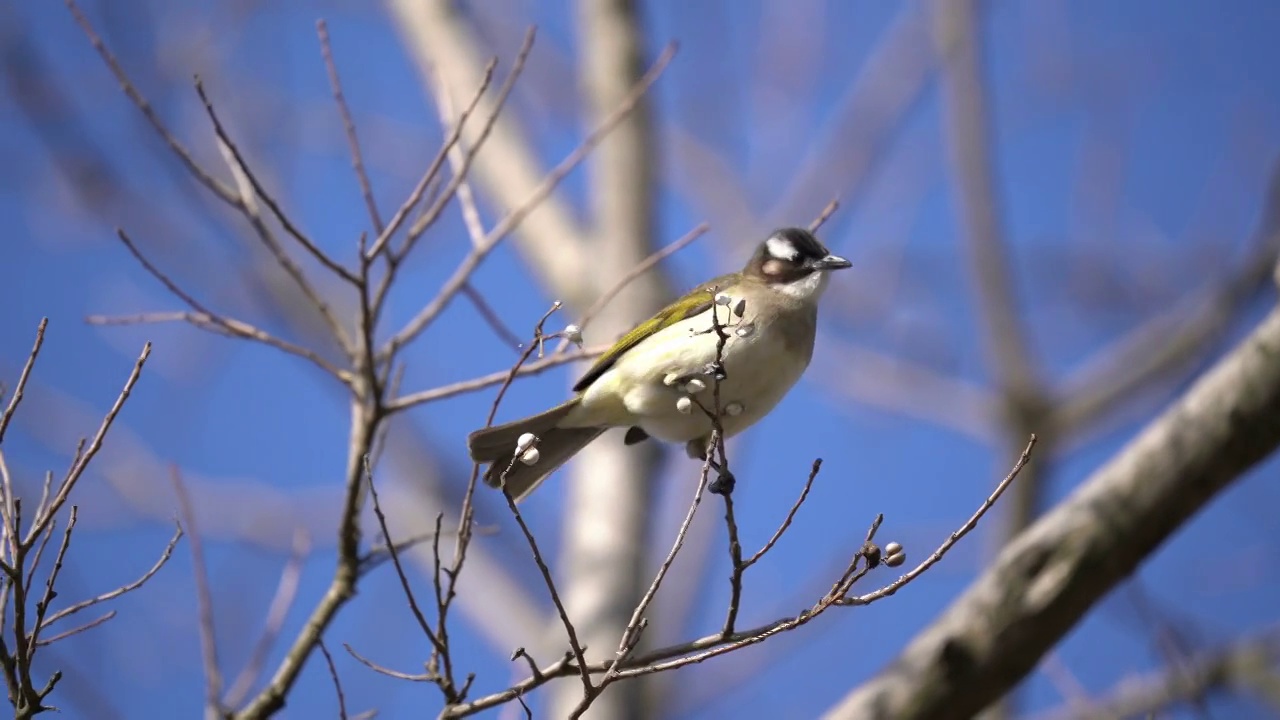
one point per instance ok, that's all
(1044, 582)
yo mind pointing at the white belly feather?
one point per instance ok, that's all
(760, 367)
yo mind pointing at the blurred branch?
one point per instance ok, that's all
(438, 35)
(606, 524)
(353, 141)
(909, 389)
(277, 611)
(1240, 666)
(218, 188)
(1010, 361)
(1048, 577)
(1170, 342)
(213, 707)
(512, 220)
(231, 327)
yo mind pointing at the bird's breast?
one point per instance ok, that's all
(763, 357)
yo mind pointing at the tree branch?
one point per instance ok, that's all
(1047, 579)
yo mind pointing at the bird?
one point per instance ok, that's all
(750, 332)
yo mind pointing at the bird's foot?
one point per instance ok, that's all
(724, 481)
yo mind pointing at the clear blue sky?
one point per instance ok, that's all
(1133, 142)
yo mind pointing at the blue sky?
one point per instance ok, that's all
(1132, 141)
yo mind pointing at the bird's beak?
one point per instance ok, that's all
(832, 262)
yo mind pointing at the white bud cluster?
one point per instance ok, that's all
(573, 334)
(526, 448)
(894, 555)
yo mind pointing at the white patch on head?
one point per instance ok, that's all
(781, 248)
(809, 287)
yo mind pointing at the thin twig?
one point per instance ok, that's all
(827, 211)
(429, 217)
(204, 599)
(101, 619)
(73, 474)
(433, 169)
(281, 602)
(791, 514)
(337, 684)
(42, 606)
(643, 267)
(424, 677)
(230, 327)
(446, 682)
(707, 647)
(588, 687)
(516, 216)
(218, 188)
(552, 360)
(302, 239)
(22, 384)
(491, 317)
(123, 589)
(349, 126)
(631, 634)
(950, 542)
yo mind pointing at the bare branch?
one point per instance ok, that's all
(433, 169)
(950, 542)
(100, 620)
(230, 327)
(123, 589)
(204, 602)
(16, 399)
(552, 360)
(218, 188)
(512, 219)
(1170, 342)
(353, 143)
(302, 239)
(1234, 666)
(791, 515)
(447, 680)
(643, 267)
(337, 684)
(1047, 578)
(77, 469)
(286, 591)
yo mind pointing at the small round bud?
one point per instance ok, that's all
(722, 299)
(530, 456)
(671, 379)
(695, 386)
(684, 405)
(573, 334)
(741, 307)
(525, 441)
(733, 408)
(871, 552)
(894, 555)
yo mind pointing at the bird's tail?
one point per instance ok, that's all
(497, 446)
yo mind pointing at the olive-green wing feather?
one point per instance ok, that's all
(696, 301)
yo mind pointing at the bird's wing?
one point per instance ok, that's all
(697, 301)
